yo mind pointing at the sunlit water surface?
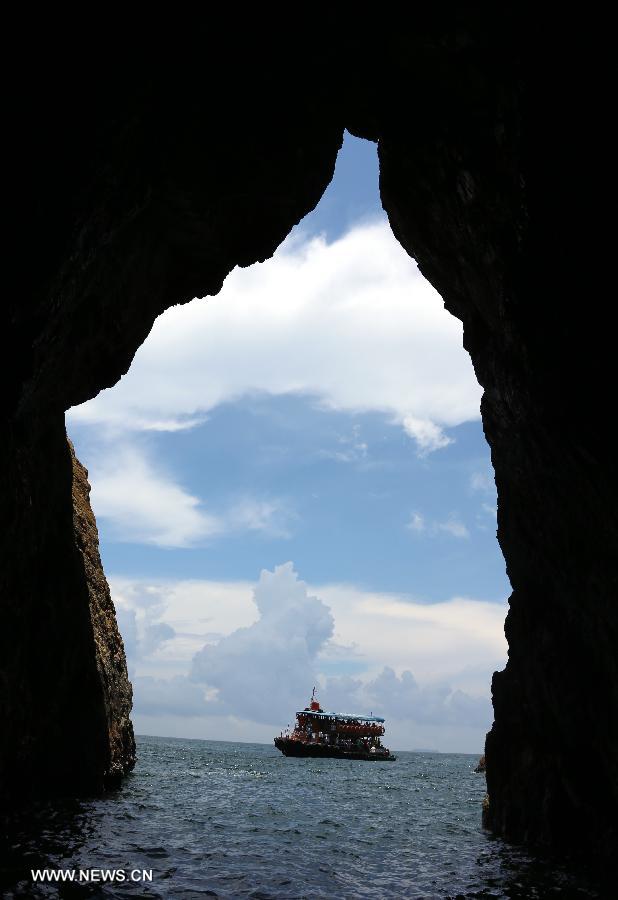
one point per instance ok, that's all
(216, 819)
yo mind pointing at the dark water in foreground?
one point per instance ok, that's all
(214, 819)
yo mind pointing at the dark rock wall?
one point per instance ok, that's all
(474, 184)
(144, 188)
(65, 697)
(158, 180)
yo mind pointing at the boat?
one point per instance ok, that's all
(323, 735)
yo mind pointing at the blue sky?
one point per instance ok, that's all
(319, 412)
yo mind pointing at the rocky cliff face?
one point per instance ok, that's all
(148, 183)
(108, 647)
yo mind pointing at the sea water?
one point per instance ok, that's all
(216, 819)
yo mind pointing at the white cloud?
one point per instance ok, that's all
(144, 504)
(271, 517)
(139, 611)
(197, 611)
(176, 696)
(254, 652)
(452, 526)
(416, 523)
(427, 434)
(262, 671)
(353, 449)
(401, 698)
(352, 323)
(460, 640)
(483, 482)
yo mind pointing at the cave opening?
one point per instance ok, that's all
(319, 412)
(145, 186)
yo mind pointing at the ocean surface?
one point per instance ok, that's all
(215, 819)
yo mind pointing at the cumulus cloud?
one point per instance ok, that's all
(195, 611)
(401, 697)
(264, 670)
(440, 640)
(243, 653)
(352, 323)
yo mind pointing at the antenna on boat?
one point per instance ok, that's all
(314, 704)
